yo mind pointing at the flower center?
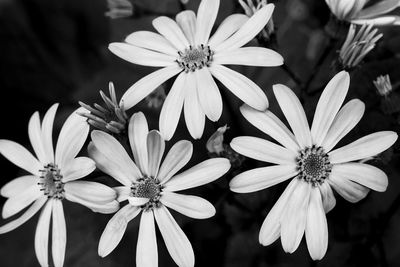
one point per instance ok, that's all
(195, 58)
(313, 165)
(148, 187)
(50, 182)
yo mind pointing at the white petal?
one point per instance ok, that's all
(175, 239)
(18, 202)
(294, 113)
(147, 84)
(18, 185)
(245, 89)
(115, 229)
(270, 229)
(141, 56)
(351, 191)
(344, 122)
(78, 168)
(172, 107)
(209, 95)
(229, 26)
(123, 192)
(71, 139)
(191, 206)
(152, 41)
(35, 137)
(37, 205)
(249, 56)
(249, 29)
(268, 123)
(316, 227)
(138, 201)
(194, 114)
(171, 31)
(379, 8)
(200, 174)
(187, 22)
(364, 147)
(328, 198)
(328, 105)
(261, 178)
(42, 235)
(177, 157)
(155, 148)
(138, 130)
(59, 235)
(206, 15)
(20, 156)
(47, 132)
(146, 250)
(379, 21)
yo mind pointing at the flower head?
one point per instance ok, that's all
(383, 85)
(52, 178)
(150, 187)
(183, 46)
(307, 157)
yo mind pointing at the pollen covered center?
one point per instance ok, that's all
(50, 182)
(147, 187)
(313, 165)
(194, 58)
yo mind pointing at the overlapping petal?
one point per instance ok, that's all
(194, 114)
(191, 206)
(249, 56)
(146, 250)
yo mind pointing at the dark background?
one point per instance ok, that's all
(56, 51)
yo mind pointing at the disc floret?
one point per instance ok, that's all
(194, 58)
(313, 165)
(147, 187)
(51, 181)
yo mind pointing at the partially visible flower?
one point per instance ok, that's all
(119, 9)
(112, 118)
(390, 98)
(383, 85)
(215, 144)
(357, 45)
(53, 177)
(150, 189)
(184, 47)
(307, 157)
(156, 98)
(354, 11)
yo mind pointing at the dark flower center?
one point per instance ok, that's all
(313, 165)
(147, 187)
(195, 58)
(50, 182)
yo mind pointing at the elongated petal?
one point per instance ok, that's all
(364, 147)
(261, 178)
(175, 239)
(47, 132)
(206, 15)
(171, 31)
(209, 95)
(351, 191)
(138, 201)
(152, 41)
(37, 205)
(270, 229)
(328, 105)
(138, 130)
(78, 168)
(177, 157)
(202, 173)
(115, 229)
(379, 8)
(194, 114)
(147, 84)
(344, 122)
(268, 123)
(328, 198)
(379, 21)
(20, 156)
(18, 202)
(294, 113)
(191, 206)
(35, 137)
(245, 89)
(141, 56)
(146, 250)
(249, 56)
(172, 107)
(42, 235)
(59, 235)
(123, 192)
(18, 185)
(316, 227)
(155, 148)
(249, 29)
(229, 26)
(187, 22)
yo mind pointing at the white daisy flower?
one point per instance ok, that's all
(354, 11)
(150, 188)
(183, 47)
(308, 157)
(52, 178)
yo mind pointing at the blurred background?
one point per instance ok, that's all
(56, 51)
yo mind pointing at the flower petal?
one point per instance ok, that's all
(177, 157)
(351, 191)
(187, 22)
(175, 239)
(123, 192)
(294, 113)
(155, 148)
(78, 168)
(344, 122)
(245, 89)
(138, 201)
(137, 131)
(59, 235)
(171, 31)
(151, 41)
(47, 132)
(42, 234)
(328, 105)
(209, 95)
(147, 84)
(115, 229)
(35, 137)
(379, 8)
(249, 56)
(260, 178)
(146, 250)
(194, 115)
(200, 174)
(380, 21)
(268, 123)
(18, 185)
(328, 198)
(191, 206)
(316, 227)
(364, 147)
(20, 156)
(229, 26)
(206, 15)
(18, 202)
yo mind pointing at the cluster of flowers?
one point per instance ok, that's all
(149, 182)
